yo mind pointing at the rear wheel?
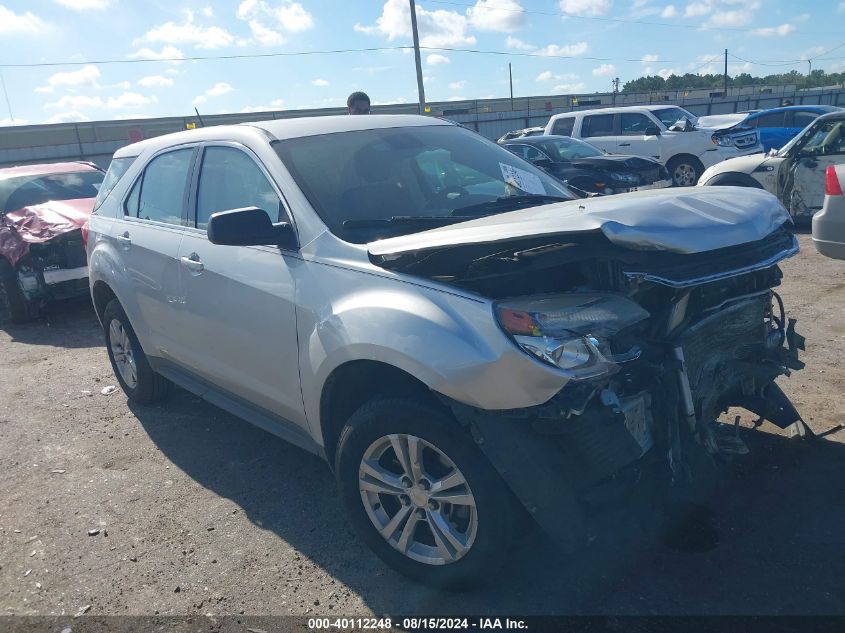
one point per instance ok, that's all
(131, 367)
(685, 170)
(14, 307)
(421, 495)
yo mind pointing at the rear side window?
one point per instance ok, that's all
(116, 170)
(160, 193)
(563, 127)
(597, 125)
(231, 180)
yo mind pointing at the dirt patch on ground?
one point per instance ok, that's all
(198, 512)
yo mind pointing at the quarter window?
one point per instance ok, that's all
(160, 194)
(232, 180)
(597, 125)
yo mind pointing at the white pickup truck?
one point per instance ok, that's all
(670, 134)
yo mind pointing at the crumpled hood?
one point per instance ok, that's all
(40, 223)
(688, 221)
(719, 121)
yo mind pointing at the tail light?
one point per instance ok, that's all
(85, 229)
(831, 182)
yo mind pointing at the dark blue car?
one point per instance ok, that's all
(777, 126)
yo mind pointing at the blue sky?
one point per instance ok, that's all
(555, 46)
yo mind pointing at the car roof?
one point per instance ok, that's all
(839, 114)
(280, 129)
(617, 109)
(45, 169)
(811, 108)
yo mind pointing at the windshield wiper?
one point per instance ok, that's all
(508, 203)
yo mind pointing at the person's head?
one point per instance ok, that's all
(358, 103)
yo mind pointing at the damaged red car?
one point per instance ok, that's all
(43, 209)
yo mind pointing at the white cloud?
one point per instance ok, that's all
(515, 42)
(436, 60)
(129, 100)
(569, 88)
(668, 72)
(649, 58)
(696, 9)
(288, 16)
(504, 16)
(264, 35)
(68, 117)
(207, 12)
(75, 102)
(783, 29)
(167, 52)
(458, 85)
(11, 22)
(218, 89)
(85, 5)
(199, 100)
(7, 122)
(730, 18)
(155, 81)
(586, 7)
(546, 75)
(669, 11)
(133, 115)
(604, 70)
(85, 77)
(437, 28)
(190, 33)
(550, 76)
(320, 82)
(569, 50)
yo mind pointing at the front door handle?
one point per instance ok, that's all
(193, 263)
(624, 145)
(124, 240)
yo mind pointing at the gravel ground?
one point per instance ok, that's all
(198, 512)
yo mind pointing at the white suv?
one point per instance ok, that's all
(667, 133)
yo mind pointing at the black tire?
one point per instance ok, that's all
(149, 386)
(14, 307)
(685, 170)
(495, 504)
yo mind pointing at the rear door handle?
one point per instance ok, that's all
(124, 240)
(624, 145)
(193, 263)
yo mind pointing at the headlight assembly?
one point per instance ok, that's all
(722, 141)
(569, 331)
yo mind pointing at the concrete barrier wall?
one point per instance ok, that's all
(96, 141)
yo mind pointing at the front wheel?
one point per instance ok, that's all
(685, 170)
(14, 306)
(421, 495)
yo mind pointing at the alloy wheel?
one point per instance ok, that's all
(684, 175)
(124, 357)
(418, 499)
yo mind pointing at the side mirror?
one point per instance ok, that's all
(249, 226)
(652, 130)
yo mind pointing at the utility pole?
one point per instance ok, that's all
(420, 87)
(8, 103)
(615, 89)
(510, 78)
(726, 72)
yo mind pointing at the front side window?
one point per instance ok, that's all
(826, 139)
(116, 170)
(368, 184)
(597, 125)
(24, 192)
(670, 116)
(564, 126)
(773, 119)
(527, 152)
(229, 179)
(635, 124)
(160, 194)
(803, 119)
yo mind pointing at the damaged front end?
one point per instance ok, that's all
(656, 345)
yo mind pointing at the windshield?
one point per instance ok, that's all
(670, 116)
(569, 149)
(372, 183)
(17, 193)
(820, 137)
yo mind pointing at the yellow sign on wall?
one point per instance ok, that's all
(190, 126)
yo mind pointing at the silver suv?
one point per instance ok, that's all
(469, 348)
